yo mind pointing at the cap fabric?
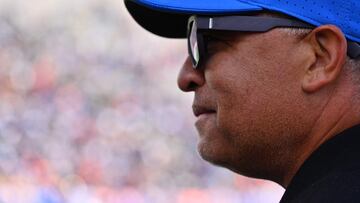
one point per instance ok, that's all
(168, 18)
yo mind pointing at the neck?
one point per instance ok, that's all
(340, 112)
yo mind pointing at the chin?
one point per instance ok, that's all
(214, 154)
(228, 157)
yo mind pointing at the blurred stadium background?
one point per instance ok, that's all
(90, 112)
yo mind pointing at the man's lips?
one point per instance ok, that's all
(199, 110)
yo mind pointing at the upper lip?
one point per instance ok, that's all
(199, 109)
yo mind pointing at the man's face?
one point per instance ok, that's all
(249, 101)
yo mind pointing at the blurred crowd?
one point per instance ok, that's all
(90, 112)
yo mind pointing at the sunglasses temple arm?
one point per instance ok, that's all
(353, 50)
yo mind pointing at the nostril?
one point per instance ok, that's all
(191, 86)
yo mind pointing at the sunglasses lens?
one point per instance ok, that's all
(193, 43)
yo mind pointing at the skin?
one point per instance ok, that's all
(268, 100)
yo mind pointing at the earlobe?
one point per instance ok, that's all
(328, 45)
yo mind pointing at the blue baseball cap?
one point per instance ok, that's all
(168, 18)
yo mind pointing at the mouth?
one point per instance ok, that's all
(202, 110)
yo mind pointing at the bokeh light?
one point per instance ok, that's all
(90, 112)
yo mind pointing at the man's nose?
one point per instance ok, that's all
(189, 78)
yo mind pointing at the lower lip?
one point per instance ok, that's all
(203, 117)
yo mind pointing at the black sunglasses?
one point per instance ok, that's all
(197, 25)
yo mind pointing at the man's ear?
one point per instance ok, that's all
(329, 46)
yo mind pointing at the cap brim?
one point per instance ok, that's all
(168, 18)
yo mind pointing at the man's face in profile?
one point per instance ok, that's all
(247, 98)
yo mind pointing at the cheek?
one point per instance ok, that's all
(226, 77)
(234, 115)
(248, 92)
(234, 92)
